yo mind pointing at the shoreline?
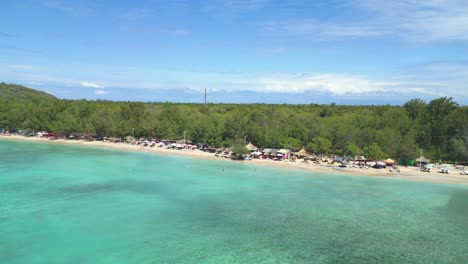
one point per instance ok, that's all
(406, 173)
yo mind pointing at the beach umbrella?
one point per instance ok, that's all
(389, 161)
(422, 159)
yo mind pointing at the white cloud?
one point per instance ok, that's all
(332, 83)
(436, 80)
(100, 92)
(91, 85)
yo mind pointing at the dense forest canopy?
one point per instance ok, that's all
(439, 127)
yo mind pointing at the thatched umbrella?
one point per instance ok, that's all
(251, 147)
(301, 153)
(422, 159)
(389, 161)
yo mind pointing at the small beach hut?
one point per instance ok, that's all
(301, 153)
(251, 147)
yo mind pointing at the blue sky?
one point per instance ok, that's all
(343, 51)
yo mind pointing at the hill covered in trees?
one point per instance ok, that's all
(439, 127)
(18, 92)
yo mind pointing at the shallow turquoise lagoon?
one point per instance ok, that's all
(72, 204)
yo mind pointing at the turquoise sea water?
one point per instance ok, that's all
(72, 204)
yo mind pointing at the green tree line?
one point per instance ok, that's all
(439, 127)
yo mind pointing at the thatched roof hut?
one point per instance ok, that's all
(301, 153)
(422, 159)
(251, 147)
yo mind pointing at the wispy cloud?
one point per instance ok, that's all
(233, 6)
(100, 92)
(136, 13)
(433, 20)
(35, 83)
(10, 48)
(27, 67)
(91, 85)
(418, 21)
(273, 50)
(319, 31)
(74, 8)
(7, 35)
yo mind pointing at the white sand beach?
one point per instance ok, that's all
(408, 173)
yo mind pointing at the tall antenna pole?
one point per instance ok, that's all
(205, 96)
(420, 159)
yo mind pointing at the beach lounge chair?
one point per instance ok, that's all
(445, 171)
